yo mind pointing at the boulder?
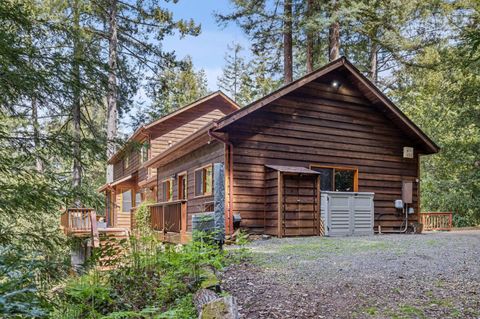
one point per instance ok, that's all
(203, 297)
(221, 308)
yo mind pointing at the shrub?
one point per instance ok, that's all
(154, 280)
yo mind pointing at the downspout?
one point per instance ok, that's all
(229, 221)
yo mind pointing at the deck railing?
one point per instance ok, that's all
(436, 221)
(167, 216)
(77, 219)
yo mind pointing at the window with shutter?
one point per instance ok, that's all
(167, 186)
(199, 182)
(204, 181)
(182, 186)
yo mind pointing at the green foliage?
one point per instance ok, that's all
(245, 81)
(176, 85)
(23, 275)
(153, 281)
(142, 219)
(444, 101)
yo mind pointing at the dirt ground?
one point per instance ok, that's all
(434, 275)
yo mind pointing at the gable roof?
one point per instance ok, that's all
(143, 130)
(217, 94)
(365, 86)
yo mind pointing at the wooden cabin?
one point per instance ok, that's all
(329, 131)
(133, 181)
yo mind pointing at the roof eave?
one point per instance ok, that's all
(431, 147)
(153, 162)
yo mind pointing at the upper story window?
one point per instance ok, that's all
(144, 153)
(126, 161)
(167, 188)
(339, 179)
(204, 181)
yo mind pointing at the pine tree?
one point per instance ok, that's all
(233, 71)
(270, 25)
(133, 30)
(178, 85)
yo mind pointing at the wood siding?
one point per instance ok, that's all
(208, 154)
(183, 126)
(171, 131)
(318, 125)
(161, 136)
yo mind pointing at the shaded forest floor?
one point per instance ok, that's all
(434, 275)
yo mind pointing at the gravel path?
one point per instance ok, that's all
(434, 275)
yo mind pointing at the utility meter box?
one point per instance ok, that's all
(407, 192)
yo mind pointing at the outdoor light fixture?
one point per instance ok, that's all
(336, 84)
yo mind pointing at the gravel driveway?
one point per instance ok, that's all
(435, 275)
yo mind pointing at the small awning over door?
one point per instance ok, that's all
(292, 169)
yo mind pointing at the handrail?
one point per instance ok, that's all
(168, 216)
(77, 219)
(437, 220)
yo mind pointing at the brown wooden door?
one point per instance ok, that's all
(300, 205)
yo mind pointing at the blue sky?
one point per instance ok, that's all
(208, 49)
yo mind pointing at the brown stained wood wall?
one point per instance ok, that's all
(271, 202)
(208, 154)
(318, 125)
(172, 131)
(183, 126)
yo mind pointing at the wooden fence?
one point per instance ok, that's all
(167, 216)
(436, 221)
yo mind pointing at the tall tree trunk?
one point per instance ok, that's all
(373, 69)
(334, 34)
(112, 86)
(76, 103)
(287, 43)
(310, 35)
(36, 136)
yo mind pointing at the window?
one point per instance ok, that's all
(138, 199)
(144, 153)
(167, 190)
(182, 186)
(126, 161)
(339, 179)
(127, 201)
(203, 181)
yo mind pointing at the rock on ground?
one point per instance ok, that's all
(221, 308)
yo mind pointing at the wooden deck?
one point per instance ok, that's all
(77, 222)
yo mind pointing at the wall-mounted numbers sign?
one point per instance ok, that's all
(408, 152)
